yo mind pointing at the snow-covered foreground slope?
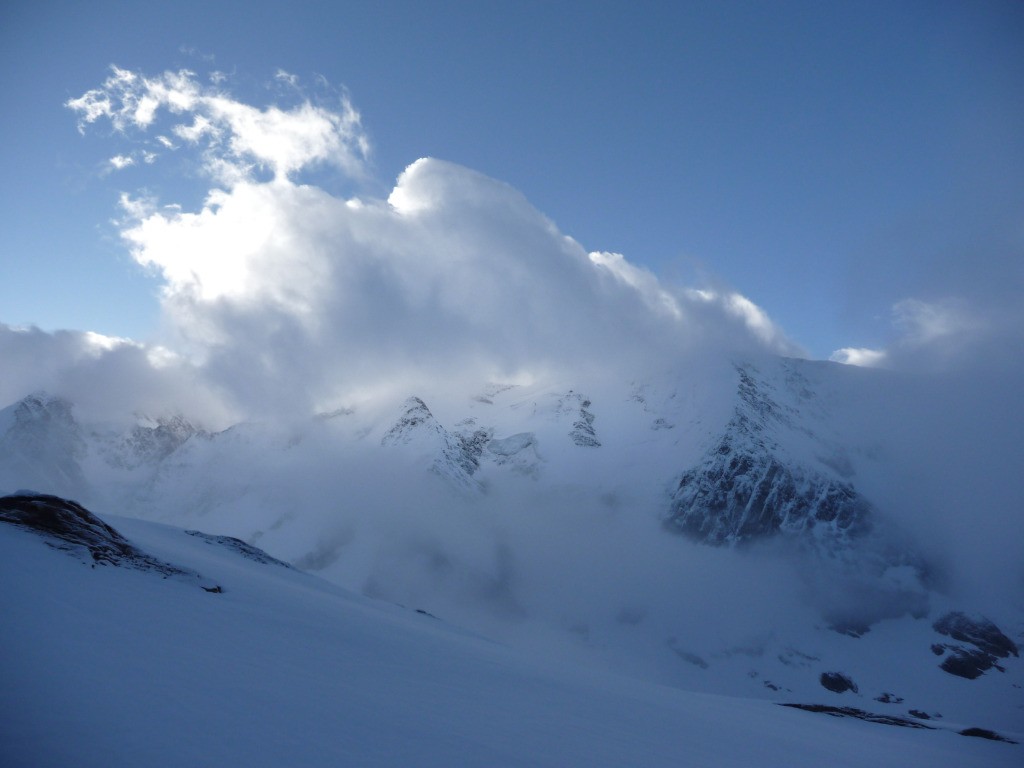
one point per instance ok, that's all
(113, 666)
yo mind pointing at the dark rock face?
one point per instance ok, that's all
(985, 733)
(979, 632)
(741, 492)
(902, 722)
(738, 495)
(582, 432)
(968, 663)
(456, 456)
(416, 414)
(68, 526)
(889, 698)
(859, 714)
(473, 445)
(837, 682)
(982, 645)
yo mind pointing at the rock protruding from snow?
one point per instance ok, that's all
(70, 527)
(473, 442)
(578, 407)
(415, 418)
(739, 495)
(859, 714)
(453, 457)
(837, 682)
(987, 644)
(743, 490)
(153, 442)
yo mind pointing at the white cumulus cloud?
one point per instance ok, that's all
(861, 356)
(290, 297)
(236, 136)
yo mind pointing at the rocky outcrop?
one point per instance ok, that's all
(152, 442)
(68, 526)
(981, 644)
(453, 457)
(577, 407)
(738, 495)
(837, 682)
(743, 491)
(985, 733)
(902, 722)
(860, 714)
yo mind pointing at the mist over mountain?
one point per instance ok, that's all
(441, 401)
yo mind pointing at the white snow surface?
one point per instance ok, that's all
(111, 667)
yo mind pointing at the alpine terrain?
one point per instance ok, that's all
(663, 561)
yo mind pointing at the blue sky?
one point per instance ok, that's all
(826, 162)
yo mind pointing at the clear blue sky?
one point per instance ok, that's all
(825, 159)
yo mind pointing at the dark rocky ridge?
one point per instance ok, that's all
(456, 456)
(738, 496)
(860, 714)
(68, 526)
(742, 492)
(837, 682)
(902, 722)
(152, 444)
(578, 407)
(985, 733)
(988, 642)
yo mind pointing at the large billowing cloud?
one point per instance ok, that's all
(290, 297)
(107, 378)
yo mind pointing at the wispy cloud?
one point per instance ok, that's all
(861, 356)
(238, 138)
(922, 322)
(948, 334)
(119, 162)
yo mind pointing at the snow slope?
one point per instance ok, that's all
(110, 666)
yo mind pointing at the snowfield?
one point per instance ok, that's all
(107, 666)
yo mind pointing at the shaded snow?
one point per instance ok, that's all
(109, 668)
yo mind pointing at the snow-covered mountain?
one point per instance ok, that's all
(131, 643)
(759, 529)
